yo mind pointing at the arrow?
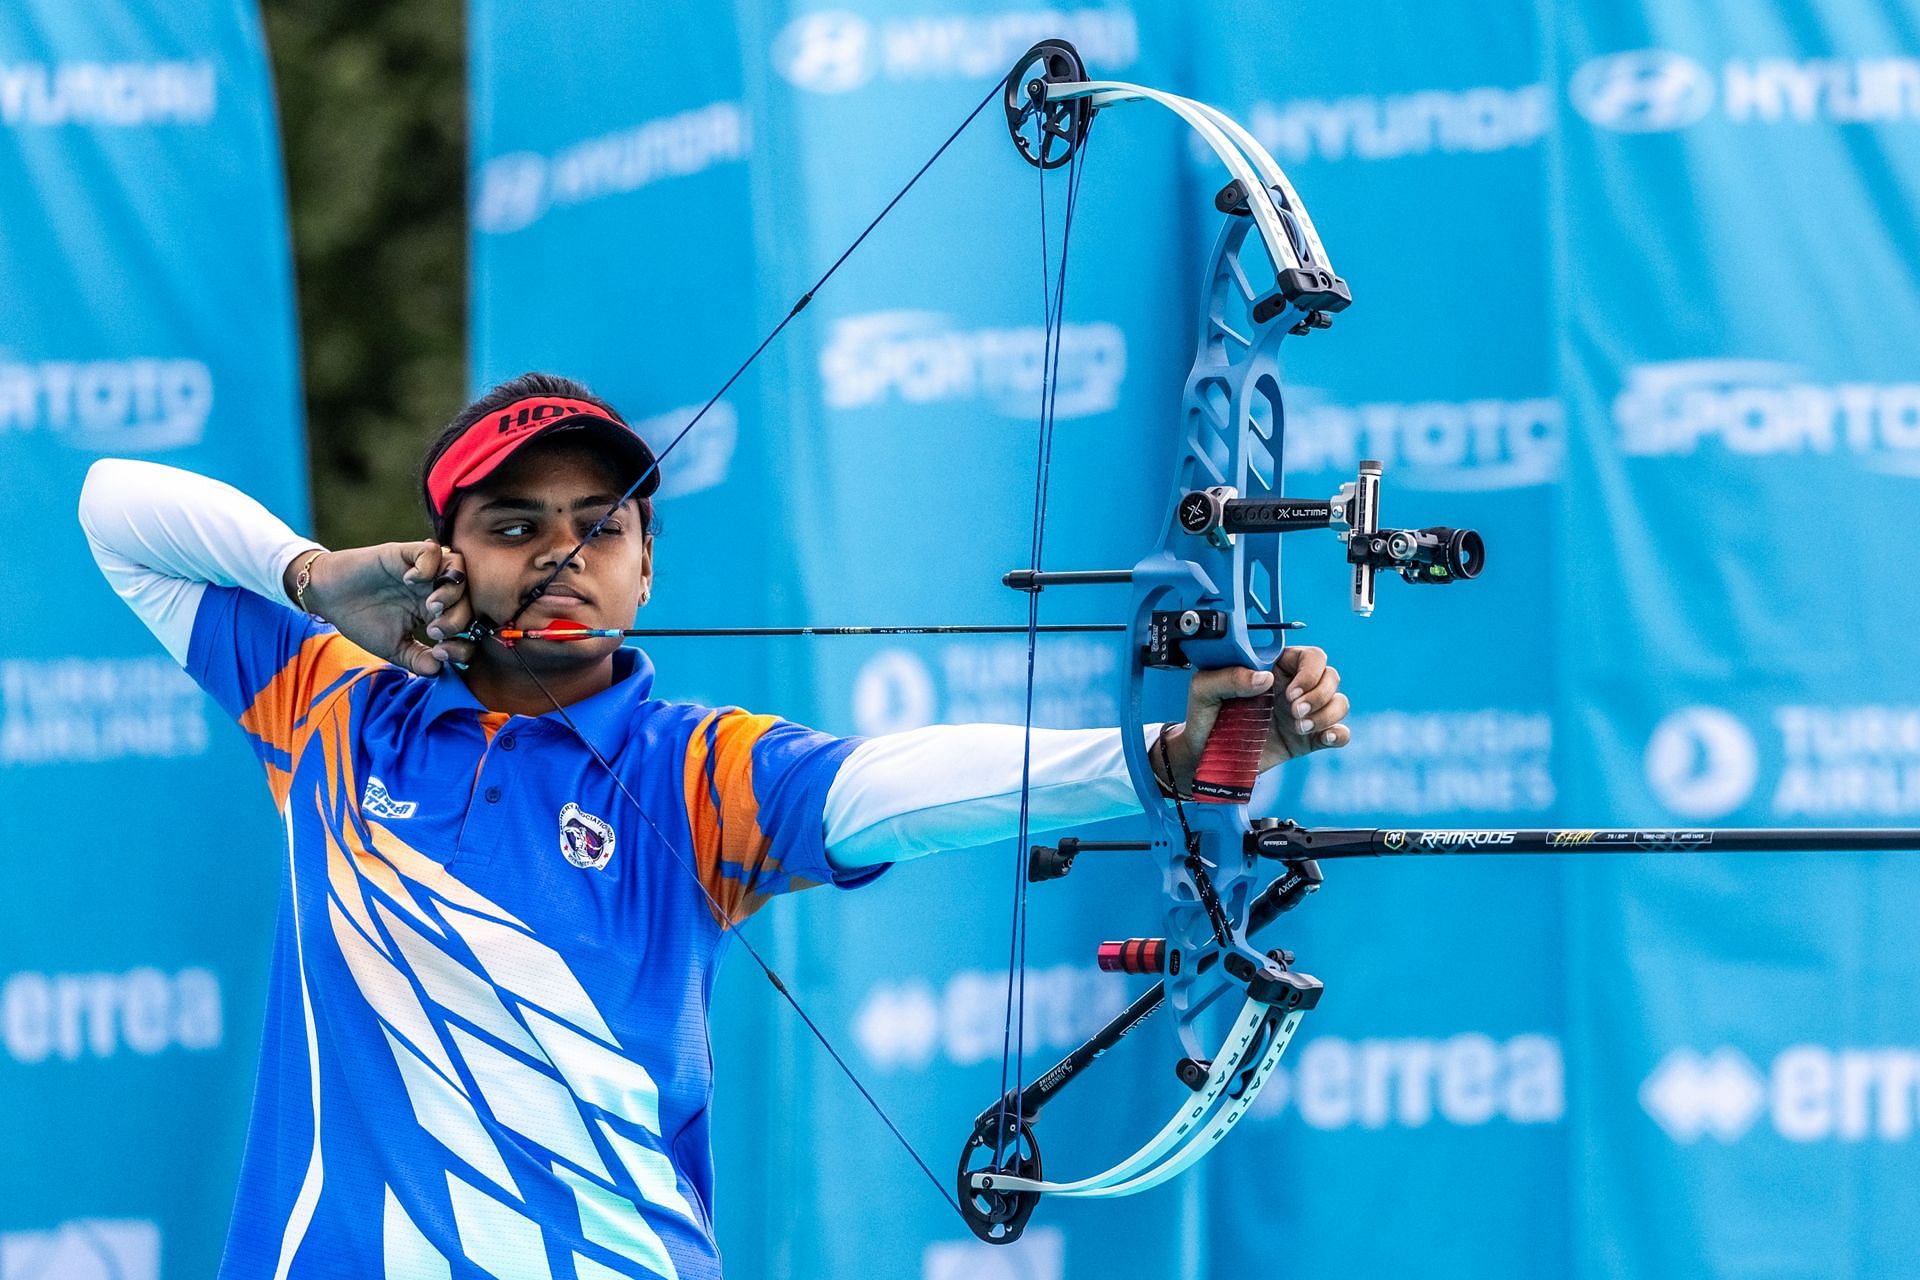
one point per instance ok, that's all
(562, 629)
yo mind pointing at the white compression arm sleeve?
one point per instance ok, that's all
(958, 786)
(162, 536)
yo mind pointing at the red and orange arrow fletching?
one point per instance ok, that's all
(558, 629)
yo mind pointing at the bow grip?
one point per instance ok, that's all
(1230, 762)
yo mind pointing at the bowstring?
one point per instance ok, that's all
(1053, 295)
(728, 925)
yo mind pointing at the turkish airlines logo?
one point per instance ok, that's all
(56, 711)
(1824, 763)
(512, 192)
(1642, 91)
(1701, 763)
(704, 457)
(1075, 684)
(1482, 763)
(894, 692)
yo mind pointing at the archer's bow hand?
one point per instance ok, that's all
(384, 597)
(1309, 713)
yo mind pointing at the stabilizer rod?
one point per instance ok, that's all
(1288, 841)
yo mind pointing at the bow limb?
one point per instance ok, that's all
(1284, 1025)
(1272, 174)
(1199, 1141)
(1243, 1042)
(1225, 135)
(1205, 122)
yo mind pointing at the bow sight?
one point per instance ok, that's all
(1434, 555)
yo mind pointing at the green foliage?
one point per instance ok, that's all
(373, 117)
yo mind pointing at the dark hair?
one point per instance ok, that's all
(498, 397)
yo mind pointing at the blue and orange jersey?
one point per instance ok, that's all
(486, 1047)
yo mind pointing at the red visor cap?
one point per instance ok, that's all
(483, 447)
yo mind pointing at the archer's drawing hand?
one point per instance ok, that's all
(384, 597)
(1309, 712)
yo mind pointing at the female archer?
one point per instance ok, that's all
(509, 872)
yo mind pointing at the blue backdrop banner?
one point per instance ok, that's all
(146, 310)
(1734, 226)
(1634, 292)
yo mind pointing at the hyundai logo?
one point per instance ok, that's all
(830, 52)
(1642, 91)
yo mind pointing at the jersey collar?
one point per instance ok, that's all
(602, 717)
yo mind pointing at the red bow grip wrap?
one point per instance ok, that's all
(1230, 761)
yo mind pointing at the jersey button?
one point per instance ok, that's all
(506, 742)
(493, 795)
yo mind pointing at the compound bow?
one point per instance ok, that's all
(1207, 596)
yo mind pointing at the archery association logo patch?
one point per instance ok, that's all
(585, 840)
